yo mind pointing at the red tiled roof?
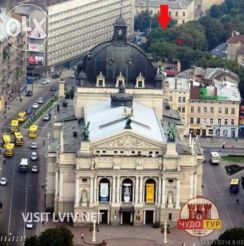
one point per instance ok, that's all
(236, 39)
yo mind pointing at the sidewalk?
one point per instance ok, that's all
(218, 142)
(122, 235)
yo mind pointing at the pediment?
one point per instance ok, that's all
(128, 141)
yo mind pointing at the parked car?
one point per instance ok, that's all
(45, 82)
(40, 100)
(3, 181)
(33, 145)
(46, 117)
(29, 93)
(34, 156)
(53, 88)
(35, 105)
(29, 224)
(34, 169)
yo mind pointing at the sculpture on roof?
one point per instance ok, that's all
(85, 131)
(128, 114)
(170, 133)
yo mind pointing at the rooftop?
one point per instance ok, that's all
(181, 84)
(236, 38)
(106, 121)
(173, 4)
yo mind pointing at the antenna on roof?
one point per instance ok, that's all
(121, 6)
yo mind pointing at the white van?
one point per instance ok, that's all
(215, 158)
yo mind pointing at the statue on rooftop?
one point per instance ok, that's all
(85, 131)
(128, 114)
(170, 133)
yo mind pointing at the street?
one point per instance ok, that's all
(24, 192)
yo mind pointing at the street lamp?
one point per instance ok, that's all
(94, 231)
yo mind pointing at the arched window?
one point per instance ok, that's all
(127, 190)
(104, 190)
(150, 191)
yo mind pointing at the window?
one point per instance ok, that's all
(191, 120)
(198, 120)
(179, 99)
(127, 190)
(150, 191)
(199, 109)
(211, 110)
(120, 83)
(183, 110)
(232, 122)
(205, 110)
(233, 111)
(220, 110)
(169, 216)
(226, 111)
(183, 21)
(204, 121)
(170, 180)
(100, 82)
(104, 187)
(192, 109)
(84, 180)
(211, 121)
(176, 13)
(226, 122)
(184, 13)
(170, 98)
(219, 122)
(183, 99)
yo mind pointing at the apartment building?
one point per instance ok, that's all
(181, 11)
(76, 26)
(214, 110)
(177, 92)
(207, 4)
(12, 62)
(235, 48)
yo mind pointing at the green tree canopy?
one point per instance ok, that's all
(60, 236)
(230, 237)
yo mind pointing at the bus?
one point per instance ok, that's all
(234, 185)
(14, 127)
(19, 140)
(215, 158)
(21, 116)
(23, 166)
(9, 150)
(33, 131)
(6, 139)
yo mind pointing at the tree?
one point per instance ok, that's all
(60, 236)
(215, 32)
(215, 11)
(230, 237)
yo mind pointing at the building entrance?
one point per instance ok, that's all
(126, 216)
(104, 217)
(149, 217)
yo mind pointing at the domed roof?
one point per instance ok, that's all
(117, 57)
(120, 22)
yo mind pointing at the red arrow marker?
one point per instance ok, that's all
(164, 17)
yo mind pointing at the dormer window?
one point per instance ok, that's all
(140, 81)
(120, 80)
(100, 82)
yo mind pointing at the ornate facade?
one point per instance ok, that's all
(131, 175)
